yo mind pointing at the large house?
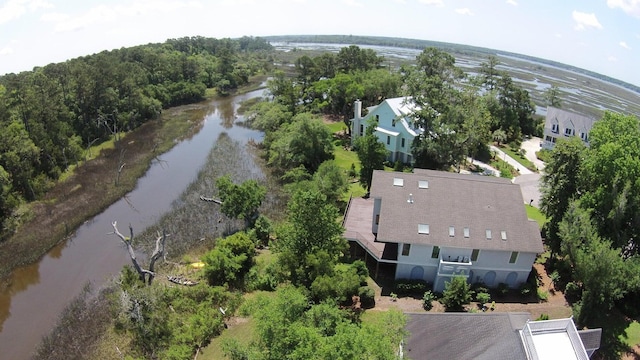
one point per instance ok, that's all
(393, 126)
(434, 225)
(561, 123)
(496, 336)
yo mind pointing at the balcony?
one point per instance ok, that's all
(453, 267)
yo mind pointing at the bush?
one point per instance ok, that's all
(543, 295)
(572, 292)
(503, 289)
(361, 269)
(398, 166)
(339, 287)
(543, 317)
(457, 292)
(525, 289)
(483, 297)
(367, 297)
(406, 287)
(352, 171)
(427, 300)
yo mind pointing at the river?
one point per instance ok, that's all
(38, 293)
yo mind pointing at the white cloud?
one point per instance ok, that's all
(512, 2)
(584, 20)
(558, 35)
(105, 14)
(612, 58)
(401, 1)
(6, 51)
(631, 7)
(13, 9)
(464, 11)
(624, 45)
(438, 3)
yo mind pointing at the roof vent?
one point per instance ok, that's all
(398, 182)
(410, 200)
(423, 184)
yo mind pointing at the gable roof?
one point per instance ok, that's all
(568, 119)
(480, 336)
(402, 107)
(478, 203)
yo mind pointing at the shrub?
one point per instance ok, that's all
(483, 297)
(339, 287)
(352, 171)
(405, 287)
(503, 289)
(525, 289)
(543, 295)
(361, 269)
(572, 292)
(367, 297)
(543, 317)
(457, 292)
(555, 277)
(398, 166)
(427, 300)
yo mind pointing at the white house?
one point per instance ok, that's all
(434, 225)
(562, 124)
(393, 126)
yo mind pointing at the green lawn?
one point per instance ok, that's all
(336, 126)
(534, 214)
(519, 158)
(633, 334)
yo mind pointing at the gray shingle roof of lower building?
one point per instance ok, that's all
(479, 203)
(465, 336)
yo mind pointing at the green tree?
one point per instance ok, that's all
(330, 180)
(499, 136)
(229, 260)
(240, 201)
(560, 184)
(311, 241)
(552, 97)
(372, 153)
(305, 142)
(611, 186)
(457, 293)
(488, 73)
(353, 58)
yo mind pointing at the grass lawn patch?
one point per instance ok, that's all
(534, 213)
(335, 127)
(241, 330)
(633, 334)
(519, 158)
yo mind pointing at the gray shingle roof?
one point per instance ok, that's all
(462, 201)
(465, 336)
(566, 119)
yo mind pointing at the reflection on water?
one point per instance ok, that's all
(38, 293)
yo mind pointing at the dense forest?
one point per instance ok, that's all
(50, 115)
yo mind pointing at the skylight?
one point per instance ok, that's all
(423, 229)
(398, 182)
(466, 232)
(423, 184)
(452, 231)
(488, 234)
(503, 234)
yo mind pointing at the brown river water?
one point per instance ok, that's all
(39, 292)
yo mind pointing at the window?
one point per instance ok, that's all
(423, 229)
(361, 129)
(568, 132)
(503, 235)
(377, 118)
(466, 232)
(377, 219)
(402, 142)
(406, 248)
(554, 128)
(388, 139)
(452, 231)
(488, 234)
(513, 258)
(474, 254)
(435, 252)
(393, 123)
(583, 136)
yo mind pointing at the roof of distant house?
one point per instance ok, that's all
(568, 119)
(453, 210)
(402, 107)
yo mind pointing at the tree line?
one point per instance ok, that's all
(49, 115)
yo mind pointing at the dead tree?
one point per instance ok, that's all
(145, 275)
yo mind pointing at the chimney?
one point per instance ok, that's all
(357, 109)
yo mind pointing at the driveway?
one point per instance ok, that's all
(529, 186)
(530, 147)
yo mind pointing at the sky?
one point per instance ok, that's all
(599, 35)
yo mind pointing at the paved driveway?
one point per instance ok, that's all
(529, 185)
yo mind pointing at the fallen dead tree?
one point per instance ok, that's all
(146, 275)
